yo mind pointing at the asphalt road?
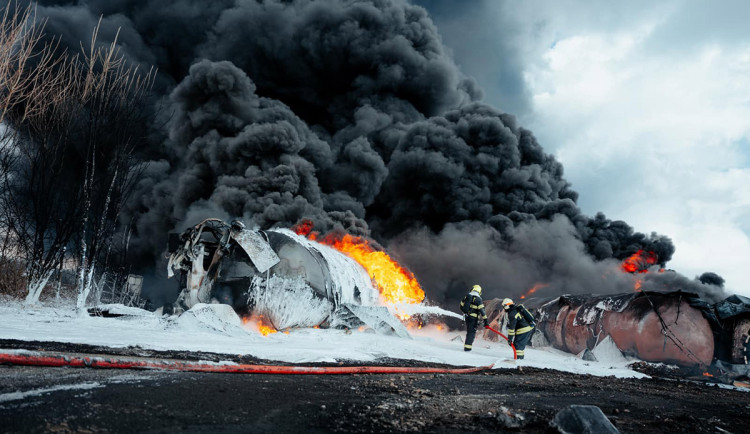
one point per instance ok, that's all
(40, 399)
(45, 399)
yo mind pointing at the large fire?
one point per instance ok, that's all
(639, 262)
(395, 283)
(534, 289)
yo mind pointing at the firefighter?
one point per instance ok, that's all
(473, 308)
(520, 325)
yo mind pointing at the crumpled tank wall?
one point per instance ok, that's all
(574, 324)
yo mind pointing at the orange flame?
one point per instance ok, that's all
(639, 262)
(414, 325)
(395, 283)
(706, 374)
(303, 228)
(534, 289)
(259, 323)
(265, 330)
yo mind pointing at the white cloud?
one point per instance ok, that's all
(654, 137)
(645, 103)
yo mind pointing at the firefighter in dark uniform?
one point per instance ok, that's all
(473, 308)
(520, 325)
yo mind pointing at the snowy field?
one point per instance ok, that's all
(217, 329)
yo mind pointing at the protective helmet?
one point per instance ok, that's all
(506, 303)
(477, 288)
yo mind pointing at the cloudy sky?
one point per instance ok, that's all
(647, 104)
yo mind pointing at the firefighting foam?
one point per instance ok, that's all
(279, 280)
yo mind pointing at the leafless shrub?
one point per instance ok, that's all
(12, 277)
(67, 160)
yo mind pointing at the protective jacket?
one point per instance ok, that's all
(520, 321)
(473, 306)
(520, 328)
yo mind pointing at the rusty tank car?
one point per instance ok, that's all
(671, 327)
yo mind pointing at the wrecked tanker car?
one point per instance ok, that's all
(674, 327)
(653, 327)
(288, 279)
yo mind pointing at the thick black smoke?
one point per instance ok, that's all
(710, 278)
(351, 114)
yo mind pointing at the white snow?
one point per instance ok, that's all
(729, 387)
(213, 328)
(14, 396)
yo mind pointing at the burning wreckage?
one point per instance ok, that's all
(292, 281)
(672, 327)
(277, 275)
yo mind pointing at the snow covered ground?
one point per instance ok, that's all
(215, 328)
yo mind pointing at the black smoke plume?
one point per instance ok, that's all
(349, 113)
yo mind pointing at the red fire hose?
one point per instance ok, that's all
(506, 338)
(38, 359)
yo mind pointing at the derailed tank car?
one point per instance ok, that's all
(657, 328)
(672, 327)
(291, 281)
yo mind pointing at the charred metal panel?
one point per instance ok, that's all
(669, 331)
(741, 342)
(257, 249)
(292, 281)
(295, 261)
(653, 327)
(378, 318)
(675, 327)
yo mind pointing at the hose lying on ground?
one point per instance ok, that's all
(30, 358)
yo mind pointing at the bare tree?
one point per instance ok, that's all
(27, 88)
(70, 159)
(113, 93)
(27, 72)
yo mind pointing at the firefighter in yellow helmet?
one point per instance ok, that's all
(520, 326)
(473, 308)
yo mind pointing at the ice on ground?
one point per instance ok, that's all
(14, 396)
(215, 328)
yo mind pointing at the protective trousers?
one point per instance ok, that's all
(471, 331)
(521, 341)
